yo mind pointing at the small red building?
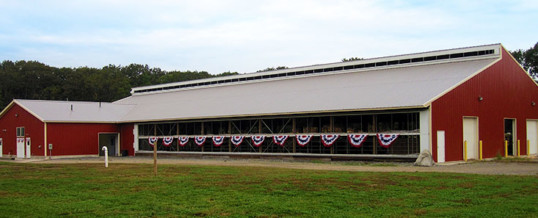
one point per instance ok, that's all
(29, 127)
(463, 103)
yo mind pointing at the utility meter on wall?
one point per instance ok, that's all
(50, 146)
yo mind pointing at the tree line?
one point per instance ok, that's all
(35, 80)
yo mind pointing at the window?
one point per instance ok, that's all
(20, 131)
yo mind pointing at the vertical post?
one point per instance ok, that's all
(505, 148)
(518, 148)
(528, 144)
(294, 130)
(480, 149)
(177, 134)
(331, 128)
(155, 151)
(44, 140)
(374, 124)
(465, 150)
(260, 131)
(230, 133)
(202, 131)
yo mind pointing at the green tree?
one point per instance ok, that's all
(351, 59)
(273, 68)
(35, 80)
(528, 60)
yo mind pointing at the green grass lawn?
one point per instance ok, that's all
(131, 190)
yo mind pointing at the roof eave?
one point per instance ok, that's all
(276, 114)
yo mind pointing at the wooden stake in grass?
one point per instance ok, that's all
(155, 159)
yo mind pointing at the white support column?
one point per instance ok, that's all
(424, 121)
(135, 135)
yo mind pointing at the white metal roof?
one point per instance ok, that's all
(432, 57)
(412, 86)
(84, 112)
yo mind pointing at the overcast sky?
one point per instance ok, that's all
(245, 36)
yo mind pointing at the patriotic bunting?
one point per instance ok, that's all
(328, 140)
(218, 140)
(280, 139)
(237, 140)
(356, 140)
(183, 140)
(385, 140)
(152, 140)
(302, 140)
(257, 140)
(199, 140)
(167, 141)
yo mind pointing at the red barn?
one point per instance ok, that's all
(463, 103)
(28, 127)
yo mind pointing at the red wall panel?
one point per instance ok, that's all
(127, 138)
(15, 117)
(507, 92)
(77, 139)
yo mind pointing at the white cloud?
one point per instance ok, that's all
(249, 35)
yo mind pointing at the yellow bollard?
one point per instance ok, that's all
(480, 149)
(465, 150)
(528, 144)
(518, 150)
(505, 148)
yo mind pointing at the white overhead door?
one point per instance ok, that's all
(532, 136)
(470, 135)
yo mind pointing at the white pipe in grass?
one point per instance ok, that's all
(106, 155)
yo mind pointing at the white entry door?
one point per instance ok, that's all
(532, 136)
(470, 134)
(440, 146)
(20, 147)
(28, 147)
(1, 149)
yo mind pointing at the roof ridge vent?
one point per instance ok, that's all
(320, 69)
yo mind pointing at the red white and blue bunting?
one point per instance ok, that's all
(385, 140)
(218, 140)
(280, 139)
(237, 140)
(257, 140)
(167, 141)
(328, 140)
(302, 140)
(153, 140)
(199, 140)
(356, 140)
(183, 140)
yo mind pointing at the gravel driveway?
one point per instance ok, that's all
(527, 167)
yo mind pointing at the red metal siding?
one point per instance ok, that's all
(15, 117)
(507, 92)
(127, 138)
(77, 139)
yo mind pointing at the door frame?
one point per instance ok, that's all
(476, 118)
(514, 135)
(117, 153)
